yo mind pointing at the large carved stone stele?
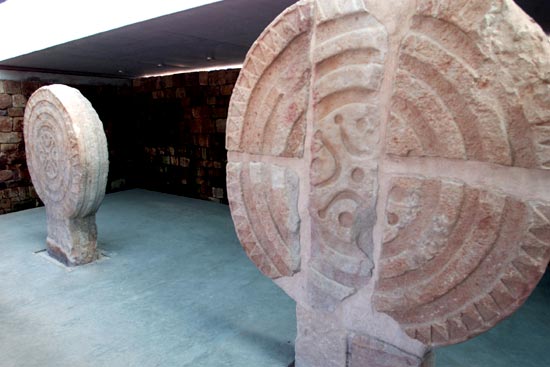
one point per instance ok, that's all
(67, 157)
(389, 169)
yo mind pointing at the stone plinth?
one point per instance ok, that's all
(388, 168)
(67, 157)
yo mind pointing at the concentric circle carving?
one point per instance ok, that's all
(67, 158)
(414, 123)
(66, 150)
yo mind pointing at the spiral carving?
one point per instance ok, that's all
(67, 157)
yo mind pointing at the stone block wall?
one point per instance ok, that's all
(182, 121)
(164, 134)
(16, 190)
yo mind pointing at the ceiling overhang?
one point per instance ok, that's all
(217, 35)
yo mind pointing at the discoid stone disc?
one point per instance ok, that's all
(67, 156)
(389, 168)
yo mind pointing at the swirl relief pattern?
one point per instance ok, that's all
(412, 143)
(348, 57)
(67, 157)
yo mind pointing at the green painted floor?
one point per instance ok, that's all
(177, 290)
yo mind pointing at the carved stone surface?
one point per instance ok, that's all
(462, 90)
(67, 157)
(323, 341)
(367, 351)
(455, 259)
(263, 199)
(414, 142)
(348, 57)
(268, 107)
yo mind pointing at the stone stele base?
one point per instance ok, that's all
(389, 169)
(67, 156)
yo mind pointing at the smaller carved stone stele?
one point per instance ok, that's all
(389, 168)
(67, 157)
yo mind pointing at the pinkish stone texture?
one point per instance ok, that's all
(67, 157)
(5, 101)
(455, 259)
(368, 351)
(389, 169)
(264, 205)
(269, 104)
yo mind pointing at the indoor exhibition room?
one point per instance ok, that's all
(275, 183)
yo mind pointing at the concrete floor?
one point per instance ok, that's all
(177, 290)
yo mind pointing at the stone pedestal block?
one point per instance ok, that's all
(72, 241)
(323, 341)
(389, 170)
(67, 157)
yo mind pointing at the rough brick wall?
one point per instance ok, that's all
(164, 133)
(183, 132)
(16, 190)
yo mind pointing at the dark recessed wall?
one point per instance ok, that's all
(182, 133)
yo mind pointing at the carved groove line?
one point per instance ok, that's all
(471, 123)
(464, 291)
(258, 210)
